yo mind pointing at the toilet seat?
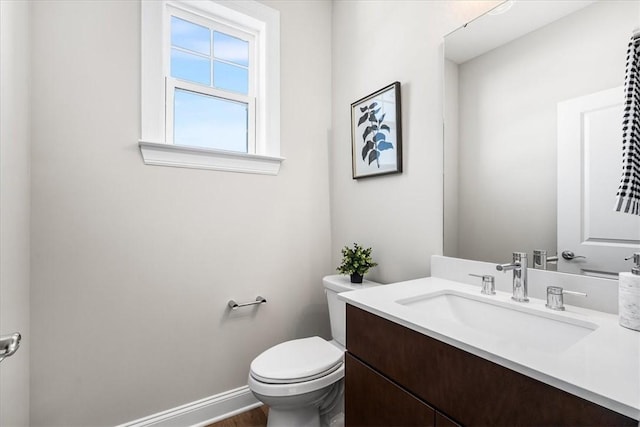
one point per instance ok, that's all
(296, 367)
(293, 389)
(297, 361)
(296, 380)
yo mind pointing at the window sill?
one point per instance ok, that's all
(200, 158)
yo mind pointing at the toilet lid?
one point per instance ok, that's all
(297, 360)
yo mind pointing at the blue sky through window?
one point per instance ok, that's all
(190, 36)
(230, 77)
(231, 49)
(209, 122)
(202, 120)
(192, 57)
(190, 67)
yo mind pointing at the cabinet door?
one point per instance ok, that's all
(374, 401)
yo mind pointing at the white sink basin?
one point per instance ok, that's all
(504, 323)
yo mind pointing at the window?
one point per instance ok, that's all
(210, 85)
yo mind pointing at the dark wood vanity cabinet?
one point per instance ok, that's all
(396, 376)
(375, 401)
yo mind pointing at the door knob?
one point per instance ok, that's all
(9, 344)
(568, 255)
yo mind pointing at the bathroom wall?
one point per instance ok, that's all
(508, 100)
(376, 43)
(133, 265)
(14, 208)
(451, 150)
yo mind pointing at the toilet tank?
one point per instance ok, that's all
(333, 285)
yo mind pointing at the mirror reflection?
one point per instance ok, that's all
(533, 135)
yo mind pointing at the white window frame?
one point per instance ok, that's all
(155, 145)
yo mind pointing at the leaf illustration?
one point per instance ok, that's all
(379, 137)
(372, 117)
(373, 104)
(373, 156)
(363, 109)
(382, 118)
(363, 119)
(367, 131)
(367, 146)
(384, 145)
(385, 127)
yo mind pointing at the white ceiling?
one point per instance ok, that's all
(489, 31)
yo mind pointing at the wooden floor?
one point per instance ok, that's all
(254, 418)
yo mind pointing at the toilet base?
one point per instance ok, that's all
(320, 408)
(301, 417)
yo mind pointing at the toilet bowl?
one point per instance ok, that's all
(302, 380)
(295, 378)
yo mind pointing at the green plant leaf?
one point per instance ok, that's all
(368, 146)
(373, 156)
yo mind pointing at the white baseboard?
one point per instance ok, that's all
(201, 412)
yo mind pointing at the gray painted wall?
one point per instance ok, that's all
(400, 216)
(14, 208)
(133, 265)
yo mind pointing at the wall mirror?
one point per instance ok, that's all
(532, 139)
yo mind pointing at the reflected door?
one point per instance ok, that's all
(589, 170)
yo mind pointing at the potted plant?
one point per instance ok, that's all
(356, 262)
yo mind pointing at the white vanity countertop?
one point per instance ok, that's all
(603, 367)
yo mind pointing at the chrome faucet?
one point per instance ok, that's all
(519, 267)
(541, 259)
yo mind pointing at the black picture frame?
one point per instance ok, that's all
(376, 133)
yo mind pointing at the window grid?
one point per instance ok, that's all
(173, 84)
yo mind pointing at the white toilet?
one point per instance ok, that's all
(302, 380)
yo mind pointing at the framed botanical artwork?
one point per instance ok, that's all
(376, 133)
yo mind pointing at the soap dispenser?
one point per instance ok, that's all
(629, 295)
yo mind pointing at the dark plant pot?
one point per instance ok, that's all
(356, 278)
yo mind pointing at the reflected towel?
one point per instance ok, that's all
(628, 197)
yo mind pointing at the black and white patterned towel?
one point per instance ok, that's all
(628, 197)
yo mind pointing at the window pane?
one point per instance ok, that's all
(190, 36)
(229, 77)
(209, 122)
(230, 49)
(191, 67)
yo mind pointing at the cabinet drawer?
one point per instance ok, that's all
(471, 390)
(374, 401)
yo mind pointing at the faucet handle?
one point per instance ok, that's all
(541, 259)
(555, 297)
(488, 283)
